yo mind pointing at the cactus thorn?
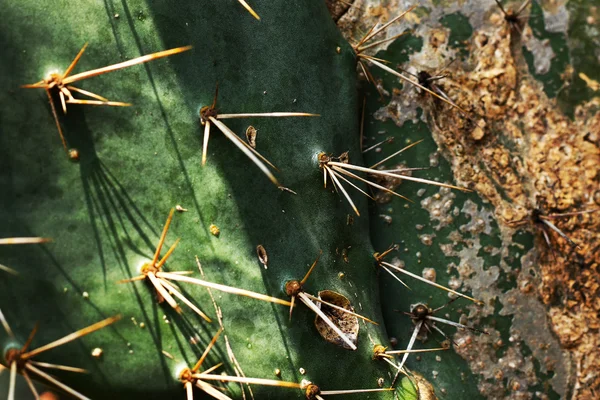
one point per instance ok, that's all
(387, 267)
(63, 84)
(249, 9)
(24, 240)
(209, 116)
(153, 270)
(20, 360)
(295, 289)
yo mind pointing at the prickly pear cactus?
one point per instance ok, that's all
(497, 131)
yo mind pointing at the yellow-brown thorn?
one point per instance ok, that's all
(61, 83)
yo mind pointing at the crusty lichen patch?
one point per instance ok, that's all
(531, 156)
(519, 152)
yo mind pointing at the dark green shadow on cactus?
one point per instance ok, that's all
(583, 39)
(460, 32)
(552, 80)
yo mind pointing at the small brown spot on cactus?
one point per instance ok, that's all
(345, 255)
(515, 386)
(74, 154)
(180, 209)
(277, 372)
(312, 391)
(214, 230)
(262, 255)
(293, 288)
(499, 375)
(338, 50)
(378, 351)
(429, 274)
(386, 218)
(349, 219)
(251, 133)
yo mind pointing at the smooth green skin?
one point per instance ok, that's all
(105, 213)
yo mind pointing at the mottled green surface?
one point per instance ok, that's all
(450, 374)
(403, 231)
(106, 212)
